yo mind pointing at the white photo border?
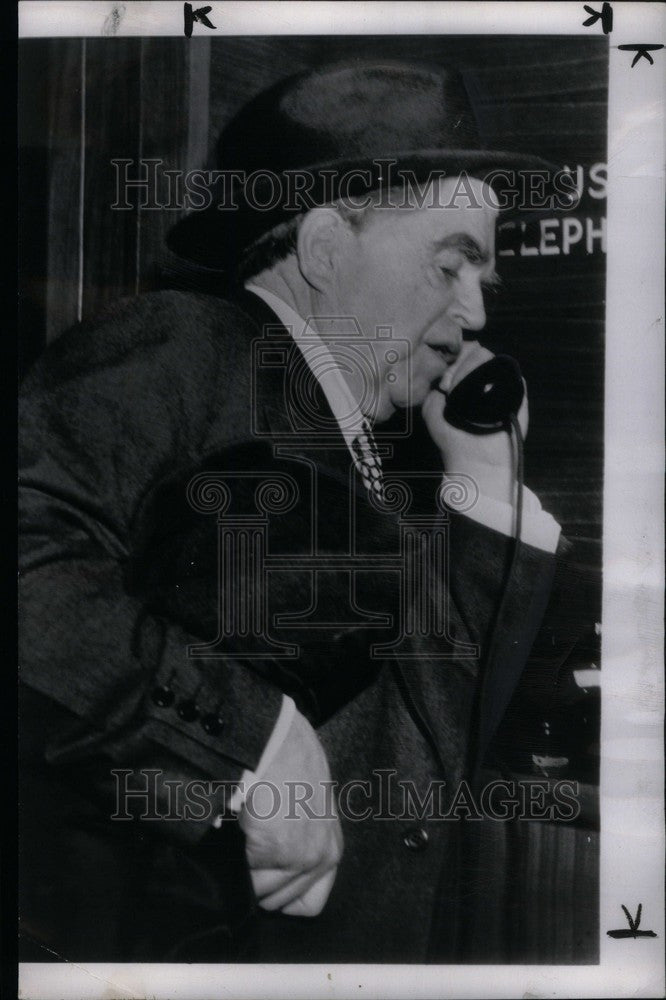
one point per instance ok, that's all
(632, 770)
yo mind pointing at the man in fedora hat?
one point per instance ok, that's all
(237, 765)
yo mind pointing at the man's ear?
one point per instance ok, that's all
(319, 241)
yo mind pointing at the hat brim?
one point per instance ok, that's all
(217, 235)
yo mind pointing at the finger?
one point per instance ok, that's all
(298, 886)
(266, 881)
(432, 409)
(312, 902)
(285, 896)
(445, 383)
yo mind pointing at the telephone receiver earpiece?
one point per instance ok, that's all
(485, 400)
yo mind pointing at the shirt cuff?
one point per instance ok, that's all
(538, 528)
(276, 739)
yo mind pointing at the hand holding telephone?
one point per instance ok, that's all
(485, 400)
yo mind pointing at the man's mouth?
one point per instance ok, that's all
(445, 354)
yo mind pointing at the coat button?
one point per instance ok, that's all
(163, 696)
(188, 711)
(212, 724)
(416, 839)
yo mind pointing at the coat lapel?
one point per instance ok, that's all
(291, 408)
(323, 443)
(514, 630)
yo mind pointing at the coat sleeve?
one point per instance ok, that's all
(104, 415)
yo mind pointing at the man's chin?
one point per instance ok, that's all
(411, 400)
(385, 411)
(417, 396)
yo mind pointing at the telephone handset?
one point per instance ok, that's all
(487, 399)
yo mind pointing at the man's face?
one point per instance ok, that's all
(420, 272)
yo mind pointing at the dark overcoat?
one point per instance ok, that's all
(154, 441)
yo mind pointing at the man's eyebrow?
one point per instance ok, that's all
(466, 245)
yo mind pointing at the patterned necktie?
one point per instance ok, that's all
(367, 460)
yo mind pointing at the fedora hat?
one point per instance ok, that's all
(346, 129)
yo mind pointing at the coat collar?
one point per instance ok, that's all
(291, 408)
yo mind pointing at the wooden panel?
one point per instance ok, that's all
(33, 165)
(173, 129)
(111, 132)
(129, 98)
(64, 201)
(532, 891)
(197, 57)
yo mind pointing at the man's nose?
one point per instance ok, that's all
(468, 309)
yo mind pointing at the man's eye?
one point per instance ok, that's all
(449, 272)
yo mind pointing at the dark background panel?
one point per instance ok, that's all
(82, 104)
(113, 114)
(65, 98)
(33, 168)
